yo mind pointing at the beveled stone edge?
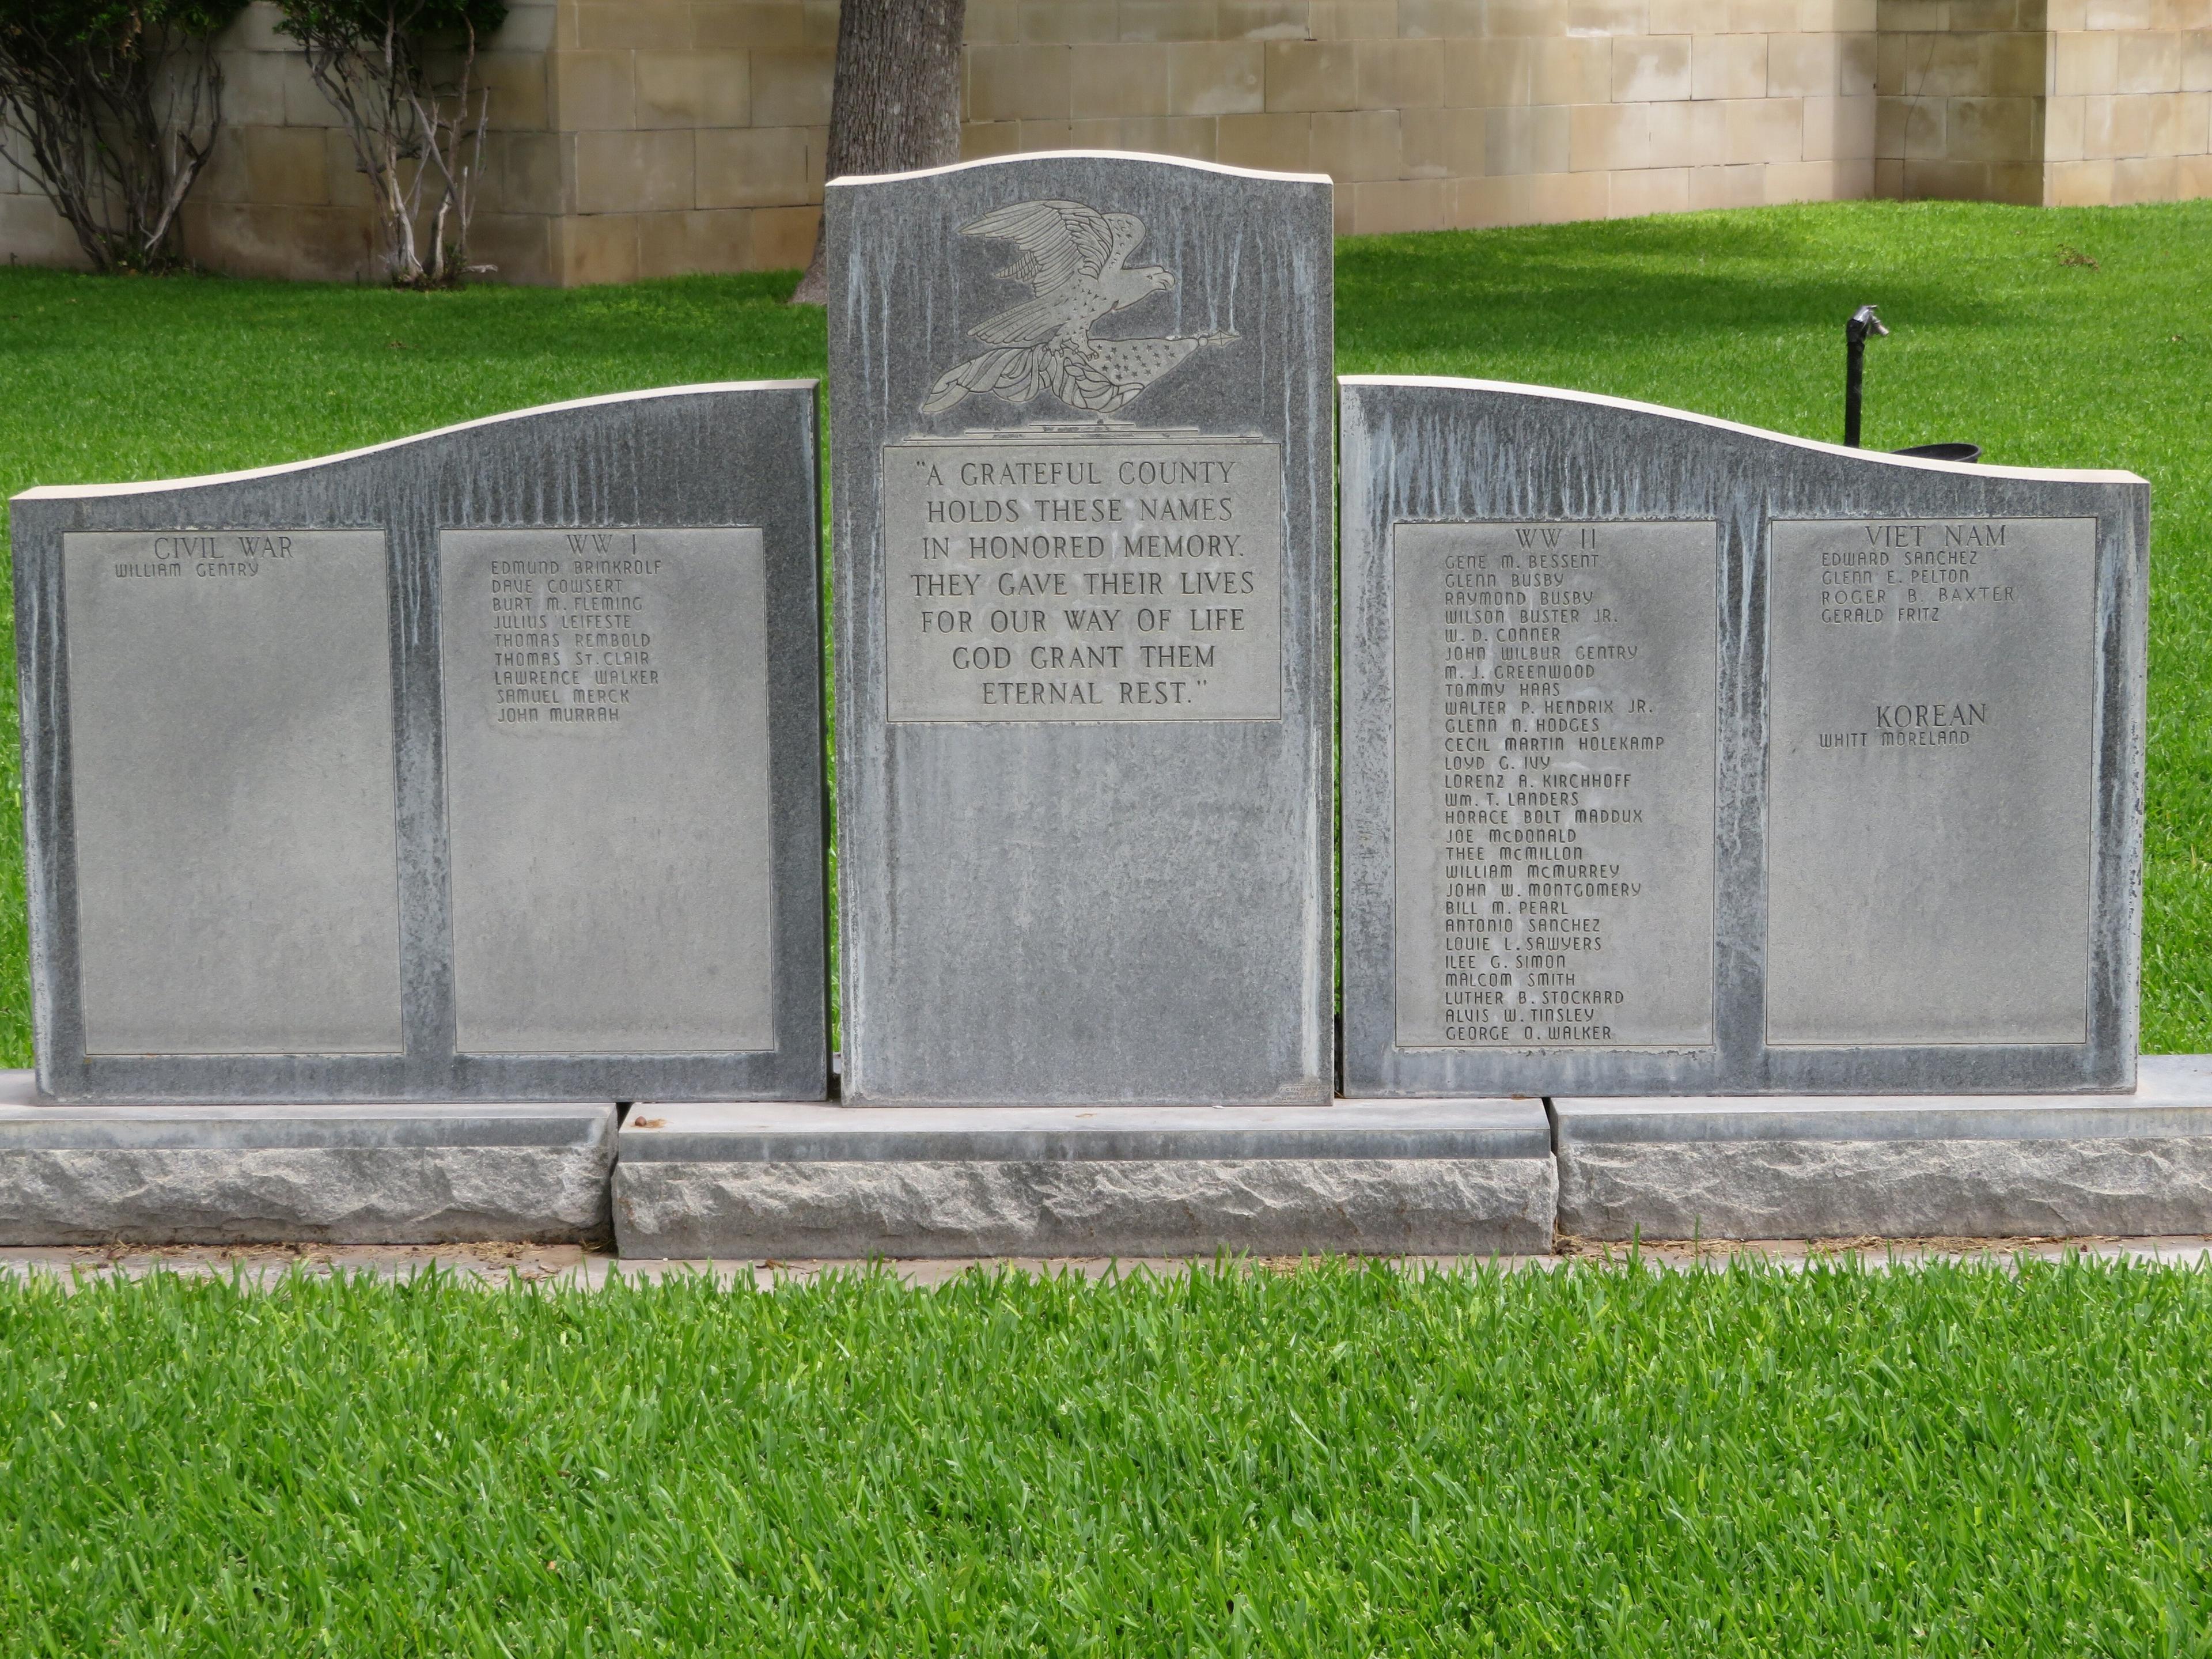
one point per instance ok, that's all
(265, 1126)
(849, 180)
(1390, 1130)
(152, 486)
(2172, 1100)
(1881, 457)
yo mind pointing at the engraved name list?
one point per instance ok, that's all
(1554, 698)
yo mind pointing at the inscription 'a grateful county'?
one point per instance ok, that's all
(1131, 576)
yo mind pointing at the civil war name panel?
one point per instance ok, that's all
(608, 790)
(1933, 780)
(1127, 577)
(232, 779)
(1554, 691)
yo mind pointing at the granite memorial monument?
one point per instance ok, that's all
(1686, 759)
(1080, 430)
(481, 766)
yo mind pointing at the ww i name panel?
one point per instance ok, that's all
(608, 791)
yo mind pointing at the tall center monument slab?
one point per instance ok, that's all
(1081, 462)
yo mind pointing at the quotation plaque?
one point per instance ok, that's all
(1554, 784)
(1131, 576)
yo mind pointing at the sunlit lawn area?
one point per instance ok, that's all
(2053, 338)
(1585, 1461)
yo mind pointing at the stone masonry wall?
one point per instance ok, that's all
(2130, 115)
(1436, 113)
(638, 138)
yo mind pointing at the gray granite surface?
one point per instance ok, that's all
(1872, 826)
(283, 1173)
(1081, 442)
(2138, 1164)
(248, 869)
(765, 1133)
(1124, 1207)
(1452, 1176)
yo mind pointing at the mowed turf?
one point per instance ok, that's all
(1946, 1462)
(2061, 338)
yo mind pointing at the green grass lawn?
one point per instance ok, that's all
(2078, 338)
(1951, 1460)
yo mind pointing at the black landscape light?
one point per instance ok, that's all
(1866, 324)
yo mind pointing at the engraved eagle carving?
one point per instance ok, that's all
(1073, 258)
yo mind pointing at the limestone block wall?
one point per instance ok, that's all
(638, 138)
(689, 134)
(1961, 88)
(1435, 113)
(629, 138)
(2129, 114)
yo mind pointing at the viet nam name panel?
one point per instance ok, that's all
(1933, 780)
(608, 790)
(231, 734)
(1554, 689)
(1119, 576)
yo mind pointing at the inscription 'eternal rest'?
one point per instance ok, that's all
(1119, 577)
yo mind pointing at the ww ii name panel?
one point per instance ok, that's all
(1553, 762)
(1684, 758)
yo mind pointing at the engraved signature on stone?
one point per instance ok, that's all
(1072, 258)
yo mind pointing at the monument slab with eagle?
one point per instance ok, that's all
(1074, 261)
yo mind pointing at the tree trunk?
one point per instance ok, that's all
(896, 102)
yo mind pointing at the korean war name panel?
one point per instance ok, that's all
(607, 777)
(231, 731)
(1080, 436)
(1554, 790)
(1934, 779)
(1113, 579)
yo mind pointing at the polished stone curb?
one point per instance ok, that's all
(1893, 1166)
(1467, 1177)
(269, 1173)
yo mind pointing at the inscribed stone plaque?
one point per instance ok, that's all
(1934, 781)
(1115, 576)
(1081, 439)
(230, 720)
(1553, 754)
(608, 790)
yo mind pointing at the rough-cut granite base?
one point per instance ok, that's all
(268, 1174)
(1894, 1167)
(1418, 1177)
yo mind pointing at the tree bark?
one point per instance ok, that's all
(895, 104)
